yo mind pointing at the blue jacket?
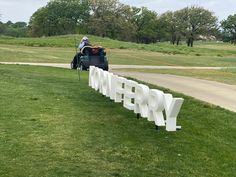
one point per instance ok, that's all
(83, 44)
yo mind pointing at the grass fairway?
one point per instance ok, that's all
(60, 49)
(53, 125)
(21, 53)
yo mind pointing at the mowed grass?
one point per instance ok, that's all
(21, 53)
(227, 76)
(18, 53)
(62, 48)
(211, 49)
(52, 124)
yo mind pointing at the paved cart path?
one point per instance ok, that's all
(111, 67)
(216, 93)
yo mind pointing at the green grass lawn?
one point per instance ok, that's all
(200, 49)
(61, 49)
(53, 125)
(227, 76)
(21, 53)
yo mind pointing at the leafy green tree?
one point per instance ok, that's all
(39, 23)
(174, 24)
(19, 25)
(146, 23)
(110, 18)
(229, 28)
(18, 29)
(59, 17)
(199, 22)
(101, 21)
(2, 28)
(188, 23)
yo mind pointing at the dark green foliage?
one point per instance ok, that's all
(18, 29)
(189, 23)
(229, 29)
(110, 18)
(58, 17)
(146, 23)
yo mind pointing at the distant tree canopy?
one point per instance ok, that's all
(110, 18)
(18, 29)
(229, 29)
(59, 17)
(188, 23)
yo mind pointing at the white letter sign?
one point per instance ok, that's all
(149, 103)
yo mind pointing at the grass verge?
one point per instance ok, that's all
(53, 125)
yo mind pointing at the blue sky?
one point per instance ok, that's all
(21, 10)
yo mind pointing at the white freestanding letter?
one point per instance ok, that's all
(109, 84)
(119, 89)
(172, 108)
(97, 79)
(104, 83)
(129, 94)
(91, 76)
(113, 87)
(156, 106)
(141, 100)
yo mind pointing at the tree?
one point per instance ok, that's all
(59, 17)
(109, 18)
(2, 28)
(174, 23)
(101, 21)
(199, 21)
(146, 23)
(18, 29)
(229, 28)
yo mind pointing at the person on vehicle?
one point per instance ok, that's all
(84, 42)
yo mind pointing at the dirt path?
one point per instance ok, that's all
(212, 92)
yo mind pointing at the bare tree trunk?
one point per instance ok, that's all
(190, 40)
(173, 39)
(178, 40)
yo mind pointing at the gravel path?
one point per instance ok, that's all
(212, 92)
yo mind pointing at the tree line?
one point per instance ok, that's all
(110, 18)
(18, 29)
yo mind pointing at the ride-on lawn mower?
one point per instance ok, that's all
(90, 56)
